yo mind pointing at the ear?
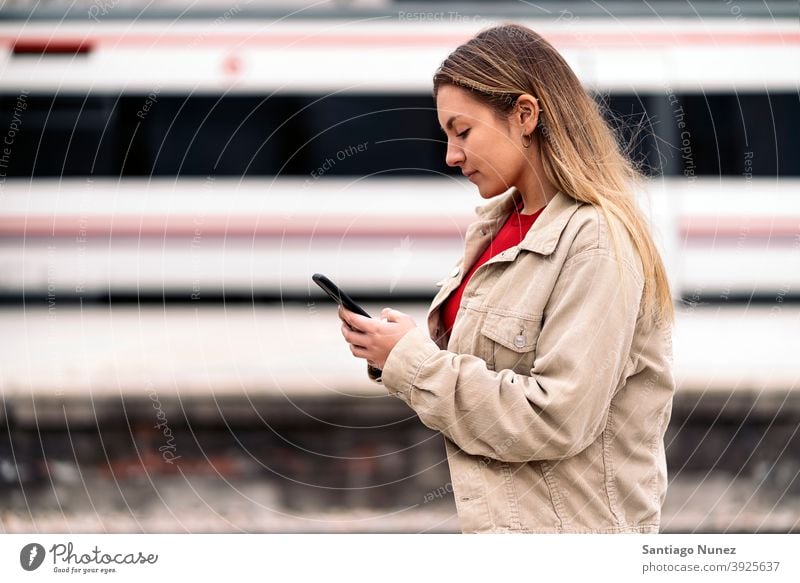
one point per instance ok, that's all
(526, 112)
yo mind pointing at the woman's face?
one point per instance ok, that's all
(487, 150)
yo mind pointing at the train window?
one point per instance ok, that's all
(710, 135)
(164, 135)
(369, 135)
(360, 135)
(61, 136)
(744, 133)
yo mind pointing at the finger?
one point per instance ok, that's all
(354, 336)
(359, 352)
(346, 315)
(359, 322)
(342, 317)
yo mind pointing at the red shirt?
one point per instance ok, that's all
(510, 234)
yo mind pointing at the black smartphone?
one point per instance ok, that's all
(343, 299)
(338, 295)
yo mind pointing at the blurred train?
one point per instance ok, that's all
(227, 156)
(212, 163)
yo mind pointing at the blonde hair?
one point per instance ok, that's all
(580, 152)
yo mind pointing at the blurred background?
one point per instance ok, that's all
(172, 173)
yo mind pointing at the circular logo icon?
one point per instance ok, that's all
(31, 556)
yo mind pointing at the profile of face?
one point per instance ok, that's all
(486, 148)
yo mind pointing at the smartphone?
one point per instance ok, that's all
(343, 299)
(338, 295)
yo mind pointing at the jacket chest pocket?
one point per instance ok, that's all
(509, 342)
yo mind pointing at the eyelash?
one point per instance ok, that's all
(463, 134)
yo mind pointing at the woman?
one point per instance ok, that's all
(548, 366)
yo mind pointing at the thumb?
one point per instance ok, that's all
(392, 315)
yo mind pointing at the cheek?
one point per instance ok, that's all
(499, 171)
(507, 162)
(499, 165)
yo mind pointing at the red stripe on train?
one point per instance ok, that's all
(276, 226)
(342, 227)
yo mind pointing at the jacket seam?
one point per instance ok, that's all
(555, 498)
(655, 452)
(602, 252)
(487, 309)
(511, 493)
(608, 465)
(412, 385)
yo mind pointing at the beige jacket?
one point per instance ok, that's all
(552, 395)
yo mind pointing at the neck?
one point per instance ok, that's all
(534, 200)
(534, 187)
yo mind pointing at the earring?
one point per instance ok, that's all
(530, 140)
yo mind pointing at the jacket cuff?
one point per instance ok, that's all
(404, 361)
(374, 373)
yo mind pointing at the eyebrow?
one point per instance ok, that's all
(450, 121)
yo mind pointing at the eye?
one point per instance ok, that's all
(463, 134)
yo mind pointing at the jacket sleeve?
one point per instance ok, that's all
(561, 407)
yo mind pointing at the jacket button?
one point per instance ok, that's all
(455, 271)
(519, 341)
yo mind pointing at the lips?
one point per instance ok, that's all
(468, 174)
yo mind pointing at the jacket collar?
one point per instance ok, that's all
(543, 236)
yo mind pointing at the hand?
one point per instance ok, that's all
(374, 339)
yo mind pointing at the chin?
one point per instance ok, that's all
(490, 192)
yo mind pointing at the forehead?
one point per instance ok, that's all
(452, 101)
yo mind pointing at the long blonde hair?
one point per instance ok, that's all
(580, 151)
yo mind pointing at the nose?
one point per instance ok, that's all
(455, 155)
